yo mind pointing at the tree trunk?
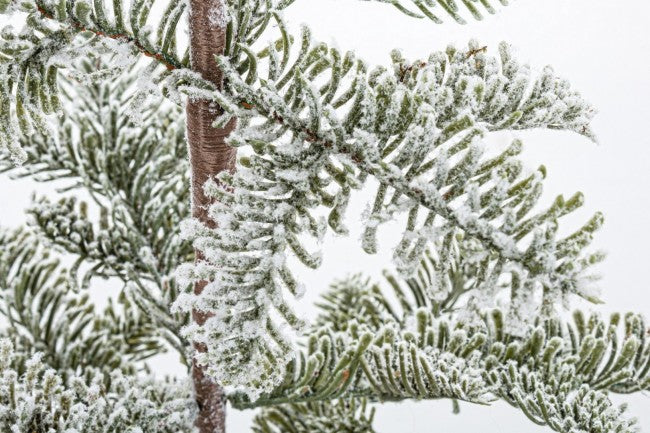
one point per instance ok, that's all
(209, 155)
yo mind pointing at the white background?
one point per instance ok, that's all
(603, 48)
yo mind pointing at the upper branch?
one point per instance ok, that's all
(56, 33)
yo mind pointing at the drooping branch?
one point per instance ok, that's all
(323, 124)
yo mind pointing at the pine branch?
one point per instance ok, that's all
(609, 355)
(57, 33)
(321, 125)
(433, 9)
(389, 365)
(131, 168)
(46, 314)
(556, 404)
(41, 400)
(548, 373)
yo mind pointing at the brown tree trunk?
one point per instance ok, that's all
(209, 155)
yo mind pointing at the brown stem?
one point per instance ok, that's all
(209, 155)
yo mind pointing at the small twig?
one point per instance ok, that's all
(476, 51)
(169, 63)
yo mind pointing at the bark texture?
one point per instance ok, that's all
(209, 155)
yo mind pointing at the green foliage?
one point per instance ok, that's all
(564, 409)
(135, 178)
(314, 124)
(136, 175)
(59, 32)
(434, 9)
(610, 355)
(550, 372)
(40, 400)
(45, 313)
(388, 364)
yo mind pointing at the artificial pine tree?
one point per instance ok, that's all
(473, 312)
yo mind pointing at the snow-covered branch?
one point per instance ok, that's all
(36, 398)
(435, 9)
(321, 125)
